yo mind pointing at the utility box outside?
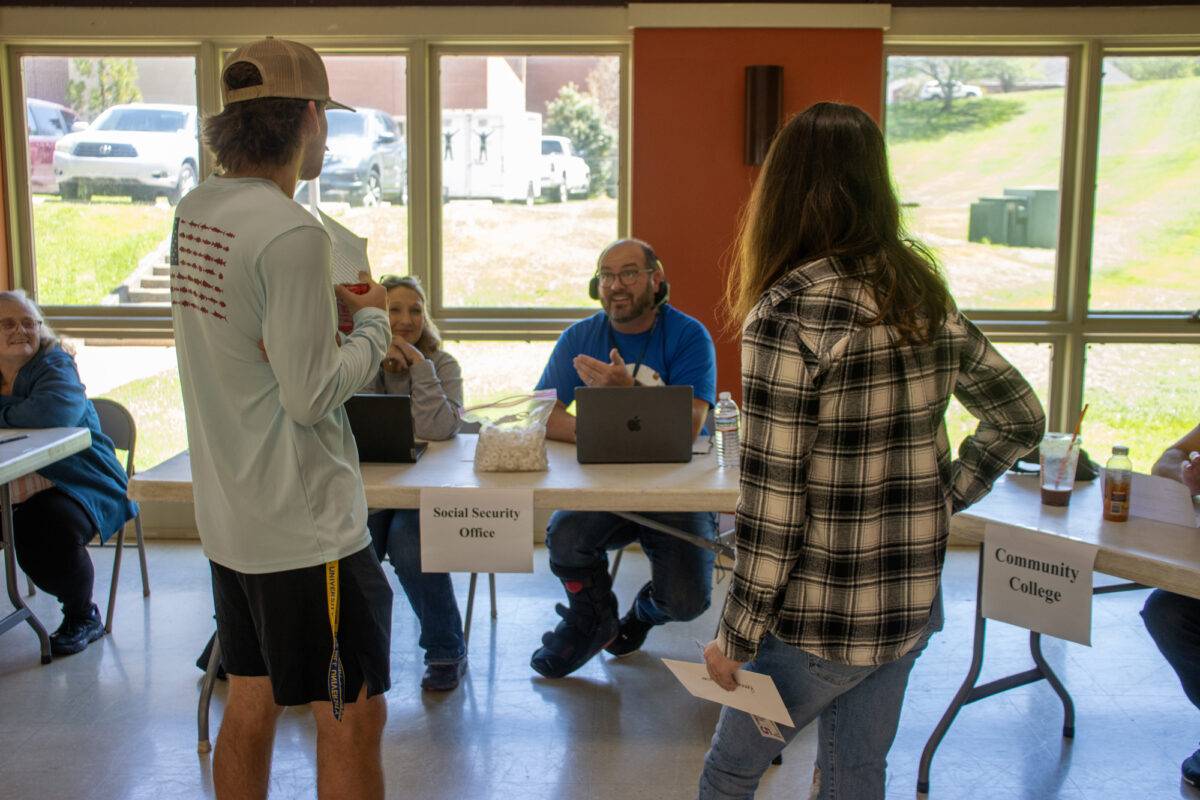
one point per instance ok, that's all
(998, 220)
(1041, 228)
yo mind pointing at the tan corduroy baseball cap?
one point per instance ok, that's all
(289, 69)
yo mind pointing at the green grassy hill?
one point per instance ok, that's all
(1147, 231)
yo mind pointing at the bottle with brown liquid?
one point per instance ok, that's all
(1118, 481)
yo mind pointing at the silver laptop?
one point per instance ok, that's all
(383, 428)
(633, 425)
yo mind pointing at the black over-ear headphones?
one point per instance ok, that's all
(664, 289)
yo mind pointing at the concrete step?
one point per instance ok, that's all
(162, 270)
(156, 283)
(148, 296)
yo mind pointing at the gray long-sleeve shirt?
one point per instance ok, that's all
(436, 388)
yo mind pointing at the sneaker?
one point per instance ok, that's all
(1191, 769)
(573, 642)
(631, 635)
(76, 633)
(443, 677)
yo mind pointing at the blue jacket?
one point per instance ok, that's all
(48, 394)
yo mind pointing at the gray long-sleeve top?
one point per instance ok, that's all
(436, 388)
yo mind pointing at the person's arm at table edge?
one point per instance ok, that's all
(1174, 461)
(560, 427)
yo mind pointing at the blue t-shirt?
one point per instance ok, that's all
(678, 352)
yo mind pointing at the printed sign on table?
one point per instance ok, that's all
(476, 530)
(1038, 581)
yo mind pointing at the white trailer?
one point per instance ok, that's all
(491, 154)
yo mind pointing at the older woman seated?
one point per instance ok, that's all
(62, 506)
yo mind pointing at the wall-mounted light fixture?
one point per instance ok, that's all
(764, 107)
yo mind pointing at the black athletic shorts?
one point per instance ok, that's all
(277, 624)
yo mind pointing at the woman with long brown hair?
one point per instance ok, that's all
(851, 349)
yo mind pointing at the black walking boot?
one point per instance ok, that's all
(633, 631)
(587, 626)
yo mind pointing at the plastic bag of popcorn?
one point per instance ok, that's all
(512, 432)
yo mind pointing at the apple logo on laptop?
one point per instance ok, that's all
(634, 424)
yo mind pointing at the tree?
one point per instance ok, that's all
(578, 117)
(1008, 71)
(950, 73)
(604, 84)
(102, 83)
(1160, 68)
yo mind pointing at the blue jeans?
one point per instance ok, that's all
(397, 532)
(1174, 623)
(858, 709)
(680, 585)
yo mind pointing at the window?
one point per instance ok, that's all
(1031, 359)
(1147, 408)
(978, 144)
(492, 370)
(1147, 231)
(529, 164)
(144, 379)
(100, 198)
(364, 181)
(976, 151)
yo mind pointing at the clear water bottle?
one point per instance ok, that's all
(725, 418)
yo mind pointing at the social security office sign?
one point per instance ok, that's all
(1038, 581)
(476, 530)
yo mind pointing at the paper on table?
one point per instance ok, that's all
(756, 693)
(1162, 500)
(349, 251)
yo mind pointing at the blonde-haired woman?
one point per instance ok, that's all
(59, 508)
(417, 366)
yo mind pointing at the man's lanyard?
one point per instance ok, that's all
(337, 675)
(637, 365)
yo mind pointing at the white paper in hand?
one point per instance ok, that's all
(756, 693)
(349, 251)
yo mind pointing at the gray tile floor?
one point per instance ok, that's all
(118, 721)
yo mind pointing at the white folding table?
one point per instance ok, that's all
(23, 451)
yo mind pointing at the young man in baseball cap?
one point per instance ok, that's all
(303, 607)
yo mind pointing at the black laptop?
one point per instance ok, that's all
(633, 425)
(383, 428)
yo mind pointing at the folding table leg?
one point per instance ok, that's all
(470, 609)
(206, 690)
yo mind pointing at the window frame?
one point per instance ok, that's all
(422, 131)
(1070, 326)
(94, 321)
(481, 322)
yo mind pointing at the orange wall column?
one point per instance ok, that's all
(689, 181)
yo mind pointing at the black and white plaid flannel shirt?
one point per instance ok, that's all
(847, 481)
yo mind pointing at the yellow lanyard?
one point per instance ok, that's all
(337, 675)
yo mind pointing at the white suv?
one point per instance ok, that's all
(932, 90)
(140, 150)
(563, 172)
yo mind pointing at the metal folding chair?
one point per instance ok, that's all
(117, 424)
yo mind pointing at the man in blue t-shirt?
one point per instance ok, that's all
(636, 340)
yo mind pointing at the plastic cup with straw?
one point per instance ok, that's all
(1054, 495)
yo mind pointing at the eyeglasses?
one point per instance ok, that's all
(10, 325)
(627, 276)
